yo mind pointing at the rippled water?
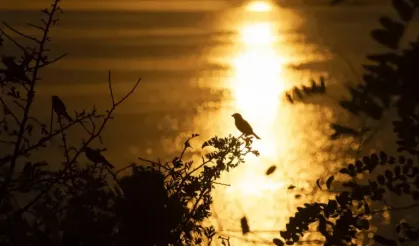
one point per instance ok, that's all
(200, 65)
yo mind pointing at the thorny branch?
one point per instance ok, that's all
(93, 136)
(30, 97)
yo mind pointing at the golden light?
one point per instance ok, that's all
(258, 34)
(251, 185)
(259, 6)
(257, 86)
(257, 81)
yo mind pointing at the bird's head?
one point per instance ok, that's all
(54, 98)
(237, 116)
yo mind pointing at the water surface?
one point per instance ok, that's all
(200, 63)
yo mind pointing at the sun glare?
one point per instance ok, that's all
(257, 86)
(259, 6)
(258, 33)
(257, 82)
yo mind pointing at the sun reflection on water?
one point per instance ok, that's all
(256, 87)
(258, 78)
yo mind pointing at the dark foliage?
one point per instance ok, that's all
(390, 82)
(299, 93)
(84, 201)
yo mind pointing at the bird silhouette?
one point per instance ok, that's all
(243, 126)
(96, 157)
(13, 70)
(59, 107)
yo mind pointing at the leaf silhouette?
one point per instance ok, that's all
(384, 58)
(386, 38)
(278, 242)
(318, 184)
(394, 27)
(394, 32)
(404, 10)
(329, 181)
(304, 91)
(244, 225)
(270, 170)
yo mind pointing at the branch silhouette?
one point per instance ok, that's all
(75, 199)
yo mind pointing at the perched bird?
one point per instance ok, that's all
(14, 70)
(243, 126)
(59, 108)
(96, 157)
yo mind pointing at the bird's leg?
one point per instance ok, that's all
(241, 136)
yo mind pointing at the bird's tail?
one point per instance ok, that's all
(254, 134)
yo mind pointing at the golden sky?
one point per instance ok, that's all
(118, 4)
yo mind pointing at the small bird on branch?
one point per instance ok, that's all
(96, 157)
(59, 108)
(243, 126)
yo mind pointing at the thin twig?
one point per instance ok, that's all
(124, 168)
(415, 205)
(36, 26)
(43, 140)
(9, 110)
(52, 61)
(30, 96)
(110, 87)
(220, 183)
(154, 163)
(93, 136)
(18, 104)
(22, 34)
(13, 41)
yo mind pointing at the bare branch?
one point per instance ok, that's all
(43, 140)
(6, 107)
(64, 140)
(18, 104)
(124, 168)
(110, 87)
(30, 97)
(220, 183)
(21, 34)
(13, 41)
(86, 143)
(414, 205)
(36, 26)
(128, 94)
(51, 61)
(154, 163)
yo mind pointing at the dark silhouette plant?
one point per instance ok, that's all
(82, 199)
(390, 83)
